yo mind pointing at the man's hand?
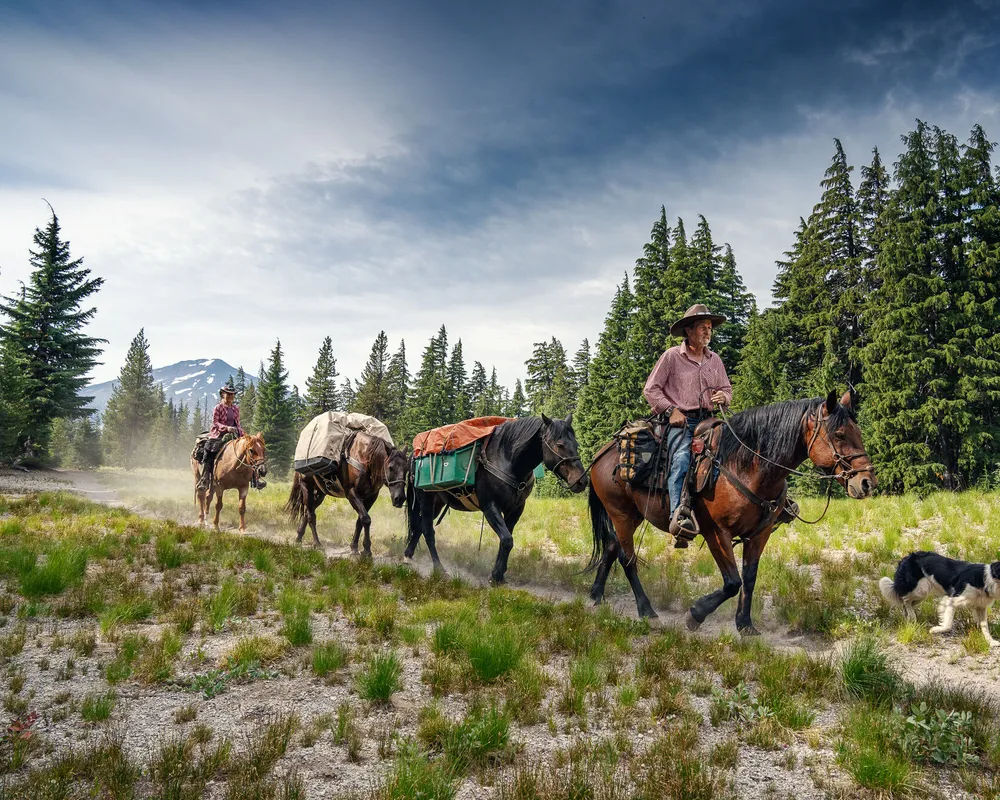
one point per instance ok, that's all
(677, 418)
(719, 399)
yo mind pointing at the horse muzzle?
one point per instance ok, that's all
(861, 485)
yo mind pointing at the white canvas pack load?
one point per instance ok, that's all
(322, 440)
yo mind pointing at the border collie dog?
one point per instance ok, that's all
(958, 584)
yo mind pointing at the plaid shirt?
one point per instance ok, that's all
(678, 381)
(225, 417)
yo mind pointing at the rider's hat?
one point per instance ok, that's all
(228, 389)
(696, 313)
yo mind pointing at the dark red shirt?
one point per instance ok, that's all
(225, 417)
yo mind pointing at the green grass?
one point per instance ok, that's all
(328, 658)
(380, 677)
(868, 674)
(494, 653)
(97, 708)
(254, 650)
(297, 628)
(63, 567)
(222, 605)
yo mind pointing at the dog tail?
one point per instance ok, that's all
(888, 589)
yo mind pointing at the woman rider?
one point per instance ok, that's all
(225, 426)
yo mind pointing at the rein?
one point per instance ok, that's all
(243, 461)
(511, 480)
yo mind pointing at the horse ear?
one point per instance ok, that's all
(846, 400)
(569, 420)
(546, 420)
(831, 402)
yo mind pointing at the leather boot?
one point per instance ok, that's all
(207, 465)
(683, 524)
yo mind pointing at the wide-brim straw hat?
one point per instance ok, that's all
(228, 388)
(696, 313)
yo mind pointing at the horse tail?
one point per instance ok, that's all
(601, 526)
(296, 507)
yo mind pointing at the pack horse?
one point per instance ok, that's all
(486, 464)
(350, 456)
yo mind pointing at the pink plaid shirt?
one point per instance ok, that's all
(679, 381)
(225, 417)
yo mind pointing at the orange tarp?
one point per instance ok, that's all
(456, 435)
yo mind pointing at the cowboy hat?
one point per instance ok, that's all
(696, 313)
(228, 389)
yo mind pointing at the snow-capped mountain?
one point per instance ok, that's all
(185, 382)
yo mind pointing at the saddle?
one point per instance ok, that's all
(704, 446)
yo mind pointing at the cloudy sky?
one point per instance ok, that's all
(239, 172)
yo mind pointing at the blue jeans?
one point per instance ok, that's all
(679, 446)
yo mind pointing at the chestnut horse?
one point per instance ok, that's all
(368, 464)
(234, 467)
(759, 448)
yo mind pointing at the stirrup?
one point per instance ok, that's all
(683, 527)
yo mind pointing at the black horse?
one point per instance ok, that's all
(504, 480)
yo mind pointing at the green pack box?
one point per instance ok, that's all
(449, 470)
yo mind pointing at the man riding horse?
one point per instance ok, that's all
(225, 427)
(687, 381)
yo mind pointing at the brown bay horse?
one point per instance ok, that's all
(758, 450)
(234, 468)
(368, 464)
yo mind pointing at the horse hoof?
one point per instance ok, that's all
(749, 630)
(649, 613)
(691, 623)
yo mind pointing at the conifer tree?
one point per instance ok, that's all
(398, 383)
(457, 384)
(759, 378)
(373, 389)
(518, 403)
(580, 369)
(604, 402)
(240, 385)
(13, 408)
(477, 387)
(737, 305)
(87, 444)
(274, 415)
(133, 407)
(46, 323)
(430, 407)
(321, 387)
(347, 397)
(198, 420)
(248, 409)
(908, 372)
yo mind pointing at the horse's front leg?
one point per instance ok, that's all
(243, 508)
(721, 546)
(218, 506)
(496, 521)
(751, 558)
(368, 528)
(364, 520)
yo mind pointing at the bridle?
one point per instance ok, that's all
(249, 457)
(847, 470)
(583, 472)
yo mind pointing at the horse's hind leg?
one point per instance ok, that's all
(364, 521)
(428, 512)
(751, 558)
(625, 526)
(368, 529)
(721, 546)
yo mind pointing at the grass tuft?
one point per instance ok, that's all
(380, 678)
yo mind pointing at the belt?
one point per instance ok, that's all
(694, 413)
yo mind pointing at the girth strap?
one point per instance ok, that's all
(769, 509)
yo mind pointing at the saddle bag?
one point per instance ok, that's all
(642, 460)
(436, 472)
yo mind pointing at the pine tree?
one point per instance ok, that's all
(908, 367)
(457, 384)
(347, 398)
(605, 401)
(477, 387)
(547, 363)
(198, 424)
(977, 297)
(87, 444)
(737, 305)
(240, 385)
(299, 414)
(274, 416)
(372, 395)
(580, 369)
(760, 377)
(647, 336)
(321, 387)
(430, 407)
(133, 407)
(248, 409)
(13, 408)
(517, 407)
(398, 388)
(46, 325)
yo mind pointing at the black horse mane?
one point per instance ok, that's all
(511, 438)
(774, 432)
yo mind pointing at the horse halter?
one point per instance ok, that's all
(847, 470)
(563, 460)
(242, 460)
